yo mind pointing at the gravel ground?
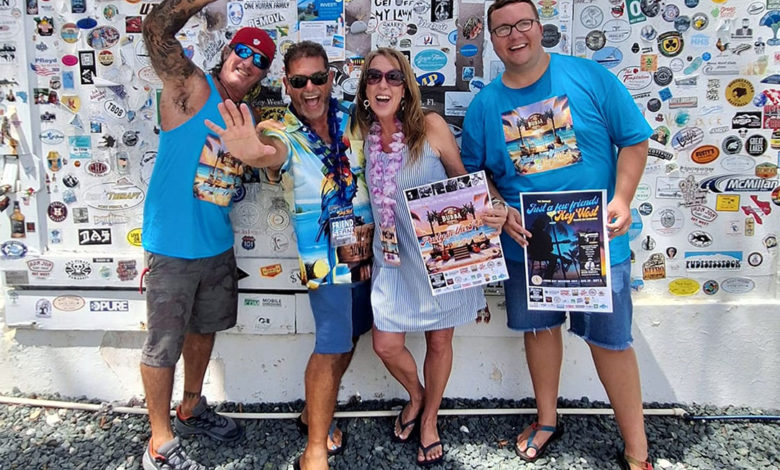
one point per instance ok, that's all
(38, 438)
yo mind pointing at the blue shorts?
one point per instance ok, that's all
(342, 312)
(607, 330)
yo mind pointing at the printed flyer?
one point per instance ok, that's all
(457, 248)
(567, 257)
(322, 21)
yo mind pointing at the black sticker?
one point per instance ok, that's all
(755, 145)
(87, 67)
(663, 76)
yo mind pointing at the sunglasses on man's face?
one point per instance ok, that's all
(299, 81)
(258, 60)
(393, 77)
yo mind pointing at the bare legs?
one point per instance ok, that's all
(618, 371)
(391, 348)
(158, 386)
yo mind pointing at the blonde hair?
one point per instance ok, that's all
(410, 113)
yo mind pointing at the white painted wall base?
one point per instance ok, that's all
(703, 353)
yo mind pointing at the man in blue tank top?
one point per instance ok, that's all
(334, 226)
(187, 236)
(553, 123)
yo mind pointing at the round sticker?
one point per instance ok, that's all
(550, 35)
(103, 37)
(106, 57)
(710, 287)
(595, 40)
(739, 92)
(667, 221)
(69, 33)
(755, 259)
(86, 23)
(731, 145)
(645, 208)
(591, 17)
(57, 211)
(755, 145)
(648, 33)
(650, 7)
(671, 12)
(670, 43)
(700, 21)
(617, 30)
(110, 12)
(682, 23)
(653, 105)
(776, 196)
(663, 76)
(70, 60)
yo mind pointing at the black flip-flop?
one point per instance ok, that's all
(425, 450)
(404, 426)
(303, 428)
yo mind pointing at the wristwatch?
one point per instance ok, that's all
(498, 202)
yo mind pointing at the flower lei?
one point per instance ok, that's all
(381, 177)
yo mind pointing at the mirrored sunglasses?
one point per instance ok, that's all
(258, 59)
(299, 81)
(393, 77)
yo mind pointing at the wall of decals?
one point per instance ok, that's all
(78, 109)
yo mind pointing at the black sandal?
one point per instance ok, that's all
(425, 450)
(557, 431)
(303, 428)
(404, 426)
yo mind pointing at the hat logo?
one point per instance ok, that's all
(255, 42)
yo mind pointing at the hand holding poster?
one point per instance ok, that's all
(567, 257)
(457, 248)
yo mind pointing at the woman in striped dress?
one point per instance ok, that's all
(404, 148)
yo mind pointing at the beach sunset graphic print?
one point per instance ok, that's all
(540, 137)
(218, 174)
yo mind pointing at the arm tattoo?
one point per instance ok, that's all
(159, 31)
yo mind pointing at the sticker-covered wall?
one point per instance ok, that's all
(79, 133)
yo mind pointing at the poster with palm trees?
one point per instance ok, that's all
(457, 248)
(540, 136)
(567, 257)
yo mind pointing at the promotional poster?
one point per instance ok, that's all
(457, 248)
(567, 257)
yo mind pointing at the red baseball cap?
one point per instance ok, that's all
(256, 38)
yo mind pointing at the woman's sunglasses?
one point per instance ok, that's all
(258, 60)
(299, 81)
(393, 77)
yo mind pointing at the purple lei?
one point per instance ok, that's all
(381, 177)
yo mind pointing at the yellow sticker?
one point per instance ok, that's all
(739, 92)
(727, 202)
(71, 102)
(134, 237)
(683, 287)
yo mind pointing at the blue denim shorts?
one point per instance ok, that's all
(342, 312)
(607, 330)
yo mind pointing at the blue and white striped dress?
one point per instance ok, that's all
(400, 296)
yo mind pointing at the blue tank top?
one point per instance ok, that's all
(186, 212)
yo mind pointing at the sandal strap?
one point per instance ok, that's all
(430, 447)
(536, 427)
(644, 465)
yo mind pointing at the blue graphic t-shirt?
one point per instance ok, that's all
(320, 183)
(561, 133)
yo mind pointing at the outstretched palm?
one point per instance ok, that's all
(239, 136)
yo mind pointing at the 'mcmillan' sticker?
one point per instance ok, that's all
(430, 60)
(114, 196)
(737, 183)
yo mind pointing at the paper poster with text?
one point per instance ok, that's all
(322, 21)
(567, 257)
(457, 248)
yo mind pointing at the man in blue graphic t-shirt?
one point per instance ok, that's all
(557, 123)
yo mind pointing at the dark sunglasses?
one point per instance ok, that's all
(393, 77)
(299, 81)
(258, 60)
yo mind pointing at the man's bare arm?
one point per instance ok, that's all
(159, 30)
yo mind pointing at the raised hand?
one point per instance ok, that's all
(240, 137)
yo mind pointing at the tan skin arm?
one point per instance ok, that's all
(185, 89)
(514, 221)
(630, 166)
(442, 141)
(245, 141)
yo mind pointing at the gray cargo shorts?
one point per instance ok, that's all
(186, 296)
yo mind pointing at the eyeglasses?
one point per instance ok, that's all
(506, 29)
(393, 77)
(299, 81)
(258, 59)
